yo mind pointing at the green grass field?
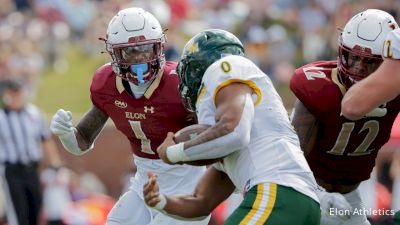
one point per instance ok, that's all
(69, 90)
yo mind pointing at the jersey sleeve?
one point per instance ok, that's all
(100, 84)
(392, 45)
(228, 70)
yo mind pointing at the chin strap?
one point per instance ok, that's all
(139, 90)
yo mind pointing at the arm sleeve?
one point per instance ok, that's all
(225, 145)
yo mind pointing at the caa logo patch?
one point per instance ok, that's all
(120, 104)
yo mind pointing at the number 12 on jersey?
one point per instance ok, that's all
(344, 135)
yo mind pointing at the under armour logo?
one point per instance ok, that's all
(120, 104)
(148, 109)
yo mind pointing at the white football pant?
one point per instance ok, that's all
(172, 179)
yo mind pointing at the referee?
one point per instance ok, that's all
(23, 135)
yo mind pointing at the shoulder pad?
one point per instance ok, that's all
(102, 77)
(312, 85)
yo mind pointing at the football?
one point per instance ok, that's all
(189, 133)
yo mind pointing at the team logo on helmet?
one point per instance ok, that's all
(193, 47)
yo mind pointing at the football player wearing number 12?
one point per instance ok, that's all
(138, 91)
(341, 152)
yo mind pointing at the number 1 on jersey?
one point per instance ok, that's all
(137, 130)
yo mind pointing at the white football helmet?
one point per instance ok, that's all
(361, 44)
(135, 41)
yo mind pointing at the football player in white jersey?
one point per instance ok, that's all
(380, 87)
(250, 132)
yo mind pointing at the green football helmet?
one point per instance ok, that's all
(199, 53)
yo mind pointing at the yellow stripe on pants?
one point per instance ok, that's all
(256, 205)
(270, 204)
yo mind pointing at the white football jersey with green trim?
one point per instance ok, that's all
(274, 153)
(392, 45)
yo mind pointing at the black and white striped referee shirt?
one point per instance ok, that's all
(21, 135)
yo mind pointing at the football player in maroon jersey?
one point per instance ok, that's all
(138, 90)
(341, 152)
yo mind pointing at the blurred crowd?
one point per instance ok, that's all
(74, 198)
(278, 34)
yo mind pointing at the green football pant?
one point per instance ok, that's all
(397, 218)
(272, 204)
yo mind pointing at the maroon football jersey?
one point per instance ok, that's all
(144, 121)
(345, 150)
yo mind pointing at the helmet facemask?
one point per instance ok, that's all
(356, 64)
(138, 62)
(190, 75)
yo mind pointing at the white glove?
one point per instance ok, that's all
(61, 125)
(334, 205)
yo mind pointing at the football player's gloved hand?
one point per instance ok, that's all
(61, 125)
(331, 203)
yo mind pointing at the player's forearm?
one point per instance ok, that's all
(378, 88)
(89, 127)
(235, 135)
(213, 188)
(354, 104)
(187, 206)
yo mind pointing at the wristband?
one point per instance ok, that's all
(176, 153)
(161, 205)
